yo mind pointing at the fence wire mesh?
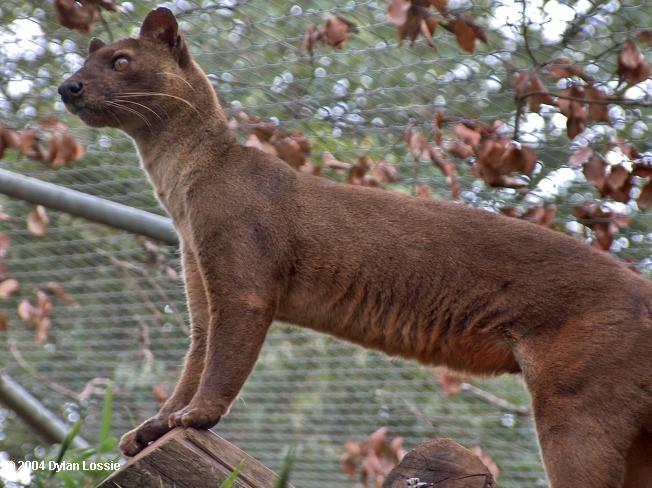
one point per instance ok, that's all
(128, 321)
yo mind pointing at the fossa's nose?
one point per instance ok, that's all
(70, 90)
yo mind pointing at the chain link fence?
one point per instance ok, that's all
(125, 318)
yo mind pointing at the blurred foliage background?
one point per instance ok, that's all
(124, 319)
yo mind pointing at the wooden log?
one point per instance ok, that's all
(190, 458)
(441, 463)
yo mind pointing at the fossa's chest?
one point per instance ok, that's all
(164, 174)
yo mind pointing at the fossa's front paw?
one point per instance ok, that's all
(137, 439)
(197, 416)
(129, 445)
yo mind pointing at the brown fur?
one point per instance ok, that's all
(432, 281)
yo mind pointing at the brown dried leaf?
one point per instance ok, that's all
(466, 33)
(358, 172)
(37, 221)
(60, 293)
(543, 215)
(423, 191)
(262, 129)
(29, 145)
(645, 198)
(642, 170)
(25, 310)
(42, 317)
(4, 244)
(604, 223)
(75, 14)
(292, 147)
(418, 20)
(467, 134)
(645, 36)
(535, 101)
(351, 458)
(427, 29)
(565, 68)
(3, 323)
(528, 82)
(628, 149)
(417, 144)
(64, 149)
(437, 124)
(618, 184)
(451, 382)
(595, 171)
(397, 11)
(579, 157)
(8, 139)
(49, 141)
(310, 38)
(598, 112)
(497, 158)
(487, 461)
(336, 31)
(441, 6)
(8, 287)
(574, 110)
(81, 14)
(632, 66)
(521, 159)
(329, 161)
(440, 159)
(459, 149)
(160, 393)
(384, 172)
(253, 141)
(509, 212)
(372, 458)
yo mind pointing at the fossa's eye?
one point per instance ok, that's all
(120, 63)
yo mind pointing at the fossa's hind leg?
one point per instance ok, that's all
(578, 449)
(590, 385)
(639, 462)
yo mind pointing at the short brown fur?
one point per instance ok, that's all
(432, 281)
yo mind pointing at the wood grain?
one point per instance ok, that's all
(189, 458)
(441, 463)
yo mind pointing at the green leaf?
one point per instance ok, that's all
(68, 480)
(66, 443)
(284, 476)
(230, 481)
(107, 442)
(84, 454)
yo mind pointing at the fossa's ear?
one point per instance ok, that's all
(95, 44)
(161, 25)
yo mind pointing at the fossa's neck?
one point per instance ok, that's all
(189, 125)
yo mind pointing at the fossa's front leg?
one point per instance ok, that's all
(242, 302)
(137, 439)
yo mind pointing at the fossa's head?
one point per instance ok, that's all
(134, 84)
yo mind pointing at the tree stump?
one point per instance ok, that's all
(441, 463)
(189, 458)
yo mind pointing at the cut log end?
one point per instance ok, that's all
(188, 458)
(441, 463)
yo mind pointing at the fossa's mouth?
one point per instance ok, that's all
(92, 114)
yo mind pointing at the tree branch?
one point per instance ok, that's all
(607, 101)
(526, 39)
(496, 401)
